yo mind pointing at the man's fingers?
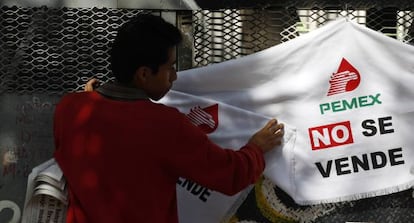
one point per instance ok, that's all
(271, 123)
(276, 128)
(269, 136)
(278, 134)
(279, 129)
(91, 84)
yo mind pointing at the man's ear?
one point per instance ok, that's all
(141, 75)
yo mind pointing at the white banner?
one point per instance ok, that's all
(346, 89)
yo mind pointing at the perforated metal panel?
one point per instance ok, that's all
(58, 50)
(54, 51)
(233, 33)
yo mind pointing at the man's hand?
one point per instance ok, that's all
(269, 136)
(91, 84)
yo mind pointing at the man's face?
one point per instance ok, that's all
(161, 82)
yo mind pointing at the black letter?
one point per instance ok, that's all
(362, 163)
(197, 189)
(189, 184)
(394, 156)
(204, 195)
(366, 125)
(383, 124)
(179, 182)
(322, 170)
(340, 164)
(374, 160)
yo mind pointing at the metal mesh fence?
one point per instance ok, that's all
(232, 33)
(52, 51)
(56, 50)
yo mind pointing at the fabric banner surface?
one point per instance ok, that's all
(229, 127)
(345, 89)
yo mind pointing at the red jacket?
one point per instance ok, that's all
(122, 159)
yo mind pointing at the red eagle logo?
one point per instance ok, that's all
(346, 79)
(205, 118)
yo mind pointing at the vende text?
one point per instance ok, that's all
(365, 162)
(199, 191)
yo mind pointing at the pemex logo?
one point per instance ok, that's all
(346, 79)
(205, 118)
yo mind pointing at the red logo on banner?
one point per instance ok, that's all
(205, 118)
(326, 136)
(346, 79)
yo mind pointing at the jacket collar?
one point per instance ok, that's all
(117, 91)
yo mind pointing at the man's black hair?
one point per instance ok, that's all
(142, 41)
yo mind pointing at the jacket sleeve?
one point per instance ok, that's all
(197, 158)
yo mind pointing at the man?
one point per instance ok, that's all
(122, 154)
